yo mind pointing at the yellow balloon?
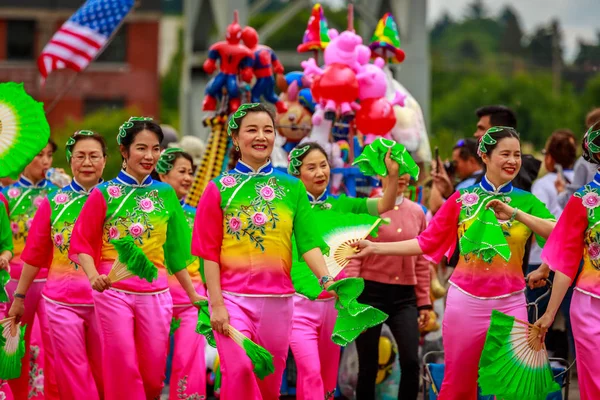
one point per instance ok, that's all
(216, 363)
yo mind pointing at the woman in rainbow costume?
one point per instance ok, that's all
(188, 369)
(134, 315)
(489, 274)
(24, 198)
(243, 232)
(67, 294)
(316, 356)
(576, 237)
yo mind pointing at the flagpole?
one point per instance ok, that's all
(73, 78)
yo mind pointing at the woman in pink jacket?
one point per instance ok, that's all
(399, 286)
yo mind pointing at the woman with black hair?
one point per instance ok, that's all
(577, 236)
(134, 315)
(480, 283)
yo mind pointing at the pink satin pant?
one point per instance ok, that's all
(465, 326)
(317, 357)
(268, 322)
(75, 338)
(4, 387)
(37, 380)
(188, 369)
(585, 320)
(135, 339)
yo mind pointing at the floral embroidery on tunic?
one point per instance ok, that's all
(182, 387)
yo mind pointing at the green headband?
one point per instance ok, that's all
(123, 128)
(294, 162)
(239, 114)
(71, 142)
(589, 138)
(167, 160)
(488, 140)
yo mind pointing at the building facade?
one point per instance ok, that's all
(126, 74)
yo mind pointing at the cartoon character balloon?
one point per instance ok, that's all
(265, 65)
(295, 123)
(234, 58)
(335, 88)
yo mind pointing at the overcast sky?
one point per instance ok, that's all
(578, 18)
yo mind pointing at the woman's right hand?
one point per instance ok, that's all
(544, 323)
(364, 248)
(17, 309)
(219, 319)
(100, 283)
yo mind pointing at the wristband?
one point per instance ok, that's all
(324, 279)
(514, 215)
(19, 295)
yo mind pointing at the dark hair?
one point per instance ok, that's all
(592, 118)
(589, 155)
(94, 136)
(499, 115)
(260, 107)
(561, 147)
(136, 128)
(312, 146)
(52, 144)
(467, 148)
(234, 157)
(498, 133)
(177, 155)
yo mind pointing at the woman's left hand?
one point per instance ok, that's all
(503, 211)
(392, 166)
(423, 318)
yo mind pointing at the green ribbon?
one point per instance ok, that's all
(129, 124)
(294, 162)
(71, 142)
(239, 114)
(167, 160)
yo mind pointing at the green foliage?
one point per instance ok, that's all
(106, 123)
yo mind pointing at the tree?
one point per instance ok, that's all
(169, 87)
(588, 56)
(512, 35)
(545, 46)
(476, 10)
(441, 26)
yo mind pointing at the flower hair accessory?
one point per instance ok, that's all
(488, 140)
(71, 142)
(239, 114)
(590, 136)
(293, 158)
(123, 128)
(167, 160)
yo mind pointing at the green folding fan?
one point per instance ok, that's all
(514, 363)
(12, 348)
(484, 238)
(203, 327)
(371, 162)
(131, 262)
(353, 317)
(4, 278)
(24, 130)
(261, 359)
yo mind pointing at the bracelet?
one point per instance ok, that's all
(19, 295)
(324, 279)
(514, 215)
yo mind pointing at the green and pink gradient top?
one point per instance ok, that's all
(178, 294)
(472, 275)
(24, 198)
(149, 212)
(47, 246)
(576, 237)
(245, 222)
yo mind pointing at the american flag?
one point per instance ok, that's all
(79, 41)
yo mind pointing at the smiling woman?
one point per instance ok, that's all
(134, 311)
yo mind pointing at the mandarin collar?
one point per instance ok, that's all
(317, 200)
(490, 188)
(76, 187)
(243, 168)
(127, 179)
(25, 182)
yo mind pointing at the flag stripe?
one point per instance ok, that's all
(83, 36)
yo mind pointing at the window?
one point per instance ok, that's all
(116, 51)
(91, 105)
(20, 40)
